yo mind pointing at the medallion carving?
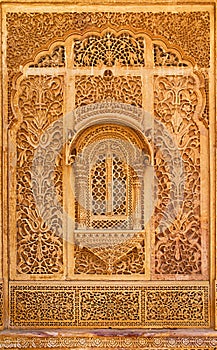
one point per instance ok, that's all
(117, 341)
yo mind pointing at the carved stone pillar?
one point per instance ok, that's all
(137, 217)
(81, 191)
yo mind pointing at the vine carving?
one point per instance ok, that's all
(39, 248)
(55, 59)
(126, 89)
(164, 58)
(178, 248)
(92, 306)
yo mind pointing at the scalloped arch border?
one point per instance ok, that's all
(156, 39)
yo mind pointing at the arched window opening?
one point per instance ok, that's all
(109, 179)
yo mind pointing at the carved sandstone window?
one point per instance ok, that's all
(109, 176)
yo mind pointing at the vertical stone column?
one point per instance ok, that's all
(136, 203)
(109, 184)
(81, 191)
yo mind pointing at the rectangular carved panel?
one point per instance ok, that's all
(177, 107)
(126, 89)
(42, 306)
(161, 24)
(38, 239)
(178, 247)
(96, 305)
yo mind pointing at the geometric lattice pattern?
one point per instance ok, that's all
(99, 187)
(115, 167)
(119, 184)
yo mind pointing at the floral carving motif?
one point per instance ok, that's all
(55, 59)
(122, 259)
(178, 248)
(29, 31)
(125, 89)
(164, 58)
(109, 157)
(109, 50)
(205, 115)
(176, 304)
(39, 232)
(88, 111)
(109, 305)
(95, 305)
(43, 306)
(186, 303)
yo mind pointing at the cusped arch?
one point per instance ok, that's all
(125, 118)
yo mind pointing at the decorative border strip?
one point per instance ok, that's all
(106, 305)
(92, 341)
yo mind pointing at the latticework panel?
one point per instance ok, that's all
(102, 305)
